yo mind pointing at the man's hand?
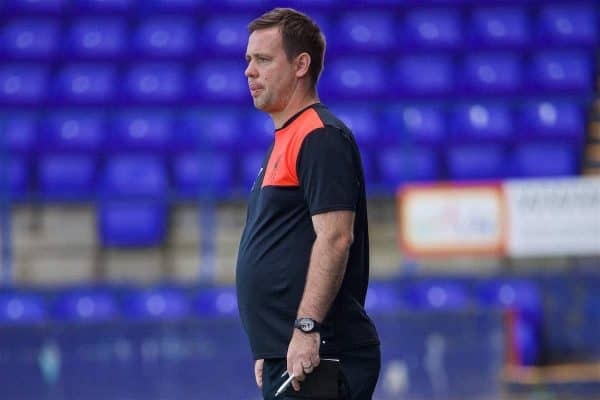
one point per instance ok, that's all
(303, 355)
(258, 372)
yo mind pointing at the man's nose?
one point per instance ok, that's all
(250, 70)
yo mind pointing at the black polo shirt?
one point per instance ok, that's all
(312, 167)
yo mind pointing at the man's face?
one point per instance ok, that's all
(271, 76)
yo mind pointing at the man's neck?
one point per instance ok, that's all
(293, 107)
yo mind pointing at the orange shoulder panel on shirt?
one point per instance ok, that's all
(281, 168)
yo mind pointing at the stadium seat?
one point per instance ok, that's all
(132, 223)
(573, 24)
(85, 305)
(545, 159)
(413, 124)
(30, 37)
(216, 302)
(492, 73)
(72, 131)
(497, 27)
(553, 119)
(399, 165)
(135, 176)
(476, 161)
(429, 74)
(21, 308)
(18, 178)
(200, 174)
(35, 5)
(260, 133)
(433, 28)
(83, 83)
(383, 297)
(22, 83)
(98, 37)
(155, 82)
(226, 34)
(66, 177)
(361, 119)
(209, 129)
(165, 36)
(174, 5)
(439, 295)
(364, 32)
(220, 81)
(477, 122)
(349, 78)
(161, 304)
(18, 132)
(140, 130)
(105, 5)
(562, 70)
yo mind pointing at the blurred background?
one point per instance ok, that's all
(128, 145)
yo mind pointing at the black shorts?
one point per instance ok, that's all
(360, 368)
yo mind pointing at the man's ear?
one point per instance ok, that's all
(302, 64)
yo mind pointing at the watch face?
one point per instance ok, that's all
(306, 324)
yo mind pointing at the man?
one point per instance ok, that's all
(303, 262)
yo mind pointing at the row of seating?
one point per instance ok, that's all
(223, 81)
(498, 26)
(166, 131)
(61, 177)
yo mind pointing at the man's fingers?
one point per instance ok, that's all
(315, 360)
(258, 372)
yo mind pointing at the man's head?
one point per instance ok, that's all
(285, 52)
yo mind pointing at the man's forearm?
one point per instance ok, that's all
(326, 271)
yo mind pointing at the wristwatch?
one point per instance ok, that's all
(307, 325)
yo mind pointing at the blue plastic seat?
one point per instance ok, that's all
(21, 308)
(86, 305)
(18, 132)
(424, 75)
(438, 295)
(364, 32)
(82, 83)
(476, 161)
(73, 131)
(433, 28)
(545, 159)
(18, 178)
(413, 124)
(478, 122)
(573, 24)
(66, 177)
(562, 70)
(226, 34)
(155, 82)
(105, 5)
(165, 36)
(35, 6)
(208, 129)
(135, 176)
(98, 36)
(23, 83)
(260, 130)
(30, 37)
(399, 165)
(553, 119)
(362, 121)
(140, 130)
(492, 73)
(500, 27)
(347, 78)
(132, 223)
(383, 297)
(162, 304)
(221, 81)
(220, 302)
(199, 174)
(174, 5)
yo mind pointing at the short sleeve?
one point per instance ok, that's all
(328, 171)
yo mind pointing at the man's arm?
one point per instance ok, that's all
(329, 257)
